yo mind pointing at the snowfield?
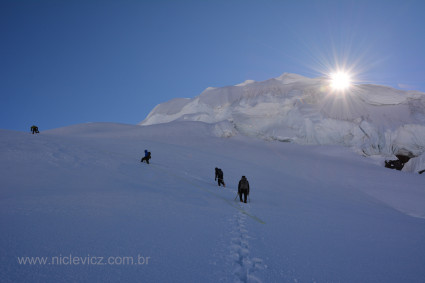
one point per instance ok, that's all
(78, 204)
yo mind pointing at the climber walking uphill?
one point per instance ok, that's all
(243, 188)
(219, 176)
(147, 156)
(34, 129)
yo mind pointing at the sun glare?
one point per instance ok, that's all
(340, 81)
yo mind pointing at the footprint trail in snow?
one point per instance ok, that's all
(244, 266)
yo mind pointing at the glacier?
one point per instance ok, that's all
(372, 120)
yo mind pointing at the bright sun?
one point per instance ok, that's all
(340, 81)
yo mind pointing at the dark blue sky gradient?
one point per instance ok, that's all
(69, 62)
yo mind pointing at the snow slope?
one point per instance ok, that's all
(372, 119)
(317, 213)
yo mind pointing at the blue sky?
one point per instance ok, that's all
(69, 62)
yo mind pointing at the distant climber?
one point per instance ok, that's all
(243, 189)
(34, 129)
(147, 156)
(219, 176)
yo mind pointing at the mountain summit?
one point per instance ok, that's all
(372, 119)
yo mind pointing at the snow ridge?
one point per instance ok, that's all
(372, 119)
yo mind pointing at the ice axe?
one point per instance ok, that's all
(236, 195)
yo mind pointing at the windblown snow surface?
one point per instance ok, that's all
(373, 120)
(80, 199)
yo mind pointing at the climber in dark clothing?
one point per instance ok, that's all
(243, 188)
(34, 129)
(219, 176)
(147, 156)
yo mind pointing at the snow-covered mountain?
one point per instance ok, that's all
(372, 119)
